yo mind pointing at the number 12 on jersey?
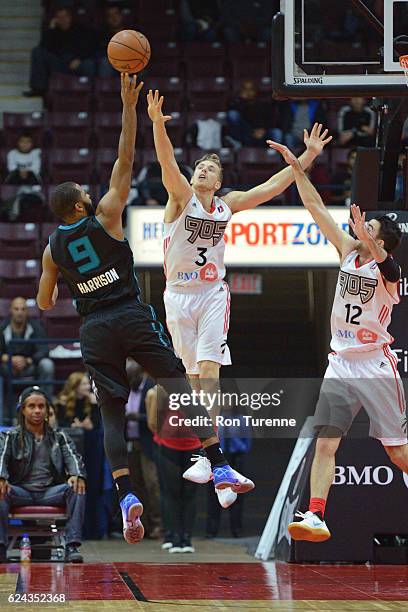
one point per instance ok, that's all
(353, 313)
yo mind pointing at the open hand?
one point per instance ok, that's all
(358, 224)
(154, 107)
(289, 157)
(316, 141)
(129, 90)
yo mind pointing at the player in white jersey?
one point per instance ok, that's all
(197, 299)
(362, 368)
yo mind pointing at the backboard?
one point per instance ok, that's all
(323, 48)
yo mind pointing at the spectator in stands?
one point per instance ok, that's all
(247, 20)
(28, 360)
(24, 170)
(77, 409)
(40, 466)
(77, 406)
(342, 180)
(299, 115)
(143, 470)
(178, 496)
(148, 188)
(65, 47)
(356, 124)
(207, 134)
(114, 22)
(250, 120)
(199, 20)
(24, 162)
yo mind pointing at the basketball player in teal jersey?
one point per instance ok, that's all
(96, 262)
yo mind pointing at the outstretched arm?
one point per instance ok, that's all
(111, 206)
(47, 289)
(176, 184)
(278, 183)
(311, 199)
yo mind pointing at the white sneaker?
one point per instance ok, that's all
(226, 477)
(200, 472)
(311, 528)
(226, 497)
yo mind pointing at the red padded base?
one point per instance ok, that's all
(51, 510)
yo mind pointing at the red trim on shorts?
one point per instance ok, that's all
(393, 361)
(227, 310)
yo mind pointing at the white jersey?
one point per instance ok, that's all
(194, 247)
(362, 308)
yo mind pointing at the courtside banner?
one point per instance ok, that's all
(266, 236)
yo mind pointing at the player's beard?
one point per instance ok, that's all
(90, 209)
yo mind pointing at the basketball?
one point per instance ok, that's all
(129, 51)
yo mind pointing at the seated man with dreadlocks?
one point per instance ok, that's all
(40, 466)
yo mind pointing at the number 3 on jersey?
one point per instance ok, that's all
(202, 259)
(81, 250)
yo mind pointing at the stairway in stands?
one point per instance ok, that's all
(20, 28)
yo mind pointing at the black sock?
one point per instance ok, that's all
(123, 486)
(215, 455)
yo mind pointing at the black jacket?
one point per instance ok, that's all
(32, 331)
(16, 465)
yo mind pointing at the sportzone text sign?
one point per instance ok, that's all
(265, 236)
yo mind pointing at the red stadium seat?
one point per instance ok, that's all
(70, 129)
(256, 165)
(19, 277)
(208, 94)
(19, 240)
(209, 68)
(62, 321)
(163, 67)
(16, 123)
(107, 93)
(162, 29)
(107, 128)
(69, 93)
(171, 88)
(105, 160)
(250, 60)
(181, 155)
(338, 158)
(71, 165)
(175, 129)
(35, 214)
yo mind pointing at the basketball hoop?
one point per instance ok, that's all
(404, 65)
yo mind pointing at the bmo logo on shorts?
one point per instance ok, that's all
(369, 475)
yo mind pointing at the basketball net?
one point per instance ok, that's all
(404, 65)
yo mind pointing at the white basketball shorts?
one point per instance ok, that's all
(370, 380)
(198, 324)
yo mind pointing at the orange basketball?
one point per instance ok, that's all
(129, 51)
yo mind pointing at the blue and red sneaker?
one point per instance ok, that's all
(132, 510)
(225, 476)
